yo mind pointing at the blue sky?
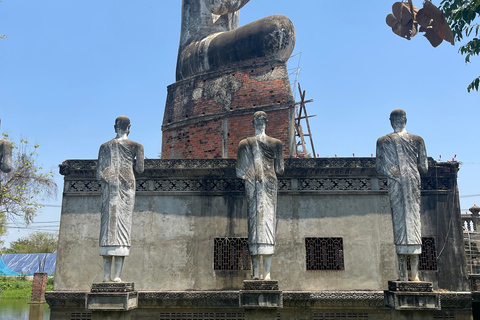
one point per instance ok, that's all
(69, 68)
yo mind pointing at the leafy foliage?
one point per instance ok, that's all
(38, 242)
(25, 185)
(3, 226)
(463, 19)
(19, 287)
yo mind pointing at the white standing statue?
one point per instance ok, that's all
(5, 156)
(402, 156)
(259, 158)
(116, 162)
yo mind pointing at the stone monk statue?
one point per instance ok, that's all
(5, 155)
(210, 37)
(117, 159)
(402, 156)
(259, 158)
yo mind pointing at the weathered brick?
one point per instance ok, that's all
(198, 107)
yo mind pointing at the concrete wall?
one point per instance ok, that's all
(182, 205)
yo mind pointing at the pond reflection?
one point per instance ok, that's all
(20, 309)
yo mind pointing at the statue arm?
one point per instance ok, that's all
(139, 163)
(422, 157)
(6, 160)
(100, 166)
(382, 165)
(243, 162)
(279, 163)
(379, 158)
(221, 7)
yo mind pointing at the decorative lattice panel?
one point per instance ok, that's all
(443, 316)
(81, 316)
(200, 316)
(231, 254)
(428, 257)
(324, 253)
(339, 315)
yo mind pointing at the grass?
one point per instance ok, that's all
(19, 287)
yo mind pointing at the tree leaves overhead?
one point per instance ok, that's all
(25, 187)
(463, 17)
(38, 242)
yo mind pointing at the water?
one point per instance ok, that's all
(20, 309)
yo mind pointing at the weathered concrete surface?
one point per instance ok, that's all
(182, 205)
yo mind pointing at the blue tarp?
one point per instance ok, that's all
(29, 263)
(6, 271)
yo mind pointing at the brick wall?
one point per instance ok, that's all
(39, 286)
(207, 115)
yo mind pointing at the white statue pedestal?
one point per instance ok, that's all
(261, 299)
(411, 295)
(112, 298)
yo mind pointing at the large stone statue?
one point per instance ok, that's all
(117, 159)
(402, 156)
(210, 37)
(258, 159)
(5, 155)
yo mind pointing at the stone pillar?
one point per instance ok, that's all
(39, 287)
(475, 217)
(261, 299)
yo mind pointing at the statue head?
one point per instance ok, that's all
(122, 125)
(259, 118)
(398, 119)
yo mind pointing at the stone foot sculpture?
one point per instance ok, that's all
(402, 264)
(414, 260)
(107, 266)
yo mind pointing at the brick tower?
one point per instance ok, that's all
(222, 81)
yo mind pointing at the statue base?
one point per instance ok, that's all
(411, 295)
(112, 296)
(261, 294)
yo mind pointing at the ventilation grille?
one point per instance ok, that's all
(428, 257)
(324, 253)
(339, 315)
(81, 316)
(200, 316)
(231, 254)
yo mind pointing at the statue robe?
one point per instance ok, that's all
(115, 170)
(400, 158)
(257, 163)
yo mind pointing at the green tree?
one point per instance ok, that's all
(24, 188)
(38, 242)
(3, 227)
(462, 15)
